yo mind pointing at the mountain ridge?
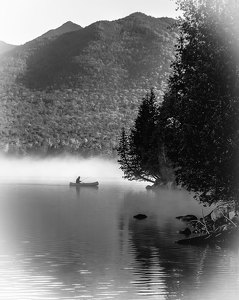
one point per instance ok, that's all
(61, 55)
(72, 93)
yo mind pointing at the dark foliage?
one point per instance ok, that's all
(200, 109)
(141, 152)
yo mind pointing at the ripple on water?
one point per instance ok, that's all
(67, 245)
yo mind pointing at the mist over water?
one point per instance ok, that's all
(64, 243)
(58, 170)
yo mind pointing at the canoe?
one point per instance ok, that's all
(96, 183)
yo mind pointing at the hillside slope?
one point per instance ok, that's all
(4, 47)
(74, 92)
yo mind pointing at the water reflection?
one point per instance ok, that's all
(165, 269)
(79, 189)
(68, 243)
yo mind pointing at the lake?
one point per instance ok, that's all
(59, 242)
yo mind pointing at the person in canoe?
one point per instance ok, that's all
(78, 179)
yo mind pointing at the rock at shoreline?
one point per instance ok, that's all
(187, 218)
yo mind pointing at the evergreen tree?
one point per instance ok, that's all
(141, 152)
(200, 111)
(129, 162)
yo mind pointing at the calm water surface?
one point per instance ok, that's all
(58, 242)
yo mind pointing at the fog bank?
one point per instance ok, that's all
(58, 170)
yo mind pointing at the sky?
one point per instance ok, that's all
(24, 20)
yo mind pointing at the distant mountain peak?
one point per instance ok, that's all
(143, 17)
(138, 14)
(69, 25)
(64, 28)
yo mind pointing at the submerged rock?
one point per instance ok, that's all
(140, 216)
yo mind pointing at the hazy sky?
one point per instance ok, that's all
(24, 20)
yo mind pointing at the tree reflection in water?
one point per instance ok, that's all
(165, 269)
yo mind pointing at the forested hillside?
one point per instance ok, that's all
(73, 91)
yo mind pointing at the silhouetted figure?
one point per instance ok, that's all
(140, 217)
(78, 179)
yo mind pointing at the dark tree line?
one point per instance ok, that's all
(142, 153)
(196, 129)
